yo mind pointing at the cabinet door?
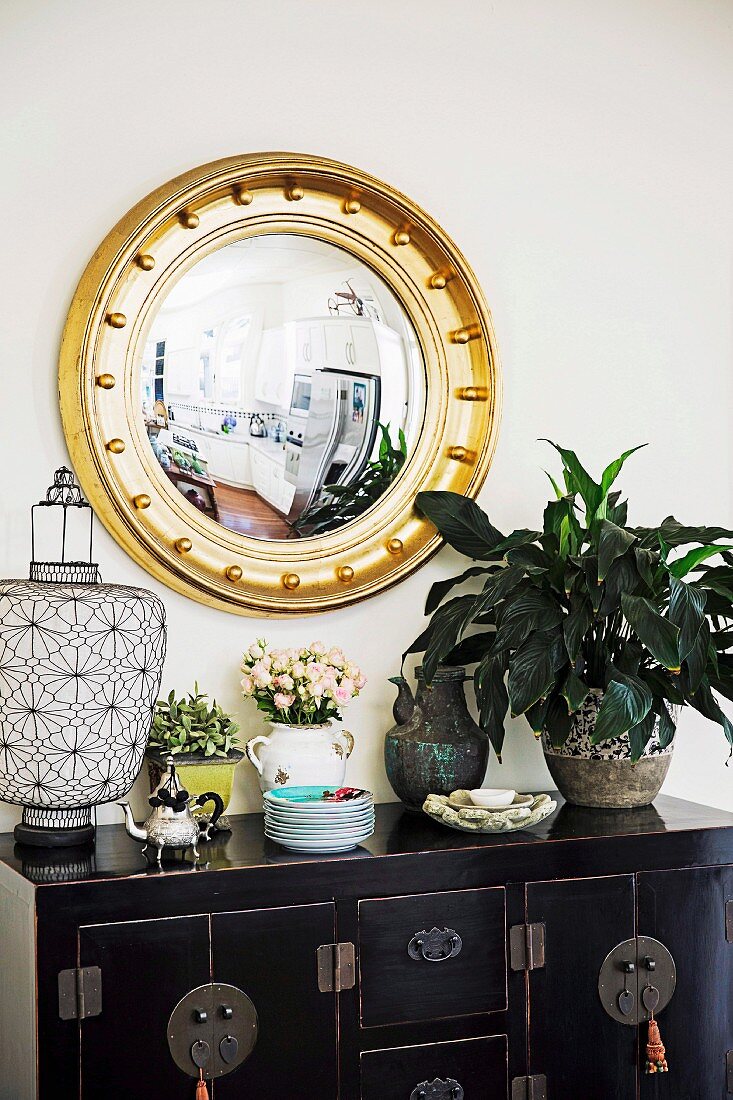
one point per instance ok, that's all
(685, 910)
(337, 336)
(147, 966)
(399, 984)
(572, 1041)
(364, 351)
(478, 1066)
(271, 955)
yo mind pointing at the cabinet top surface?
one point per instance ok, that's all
(398, 832)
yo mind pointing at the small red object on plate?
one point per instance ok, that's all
(344, 794)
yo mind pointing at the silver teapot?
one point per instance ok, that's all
(171, 823)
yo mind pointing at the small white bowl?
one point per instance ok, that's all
(492, 798)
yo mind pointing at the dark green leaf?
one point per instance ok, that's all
(533, 610)
(492, 700)
(674, 533)
(697, 659)
(537, 713)
(622, 577)
(558, 721)
(663, 685)
(667, 727)
(470, 649)
(682, 566)
(613, 542)
(461, 522)
(533, 669)
(441, 588)
(646, 564)
(530, 558)
(659, 635)
(615, 511)
(640, 735)
(448, 623)
(626, 702)
(581, 479)
(705, 702)
(612, 471)
(574, 691)
(576, 625)
(687, 611)
(630, 657)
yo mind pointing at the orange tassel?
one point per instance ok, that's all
(655, 1052)
(202, 1092)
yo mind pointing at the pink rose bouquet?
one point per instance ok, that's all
(302, 687)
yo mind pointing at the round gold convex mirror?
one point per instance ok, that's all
(264, 363)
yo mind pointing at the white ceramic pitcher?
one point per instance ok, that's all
(301, 756)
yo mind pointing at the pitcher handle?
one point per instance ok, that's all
(249, 748)
(349, 739)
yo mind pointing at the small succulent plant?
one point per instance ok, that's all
(192, 725)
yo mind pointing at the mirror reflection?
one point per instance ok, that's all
(282, 386)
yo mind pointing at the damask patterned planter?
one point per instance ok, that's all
(604, 775)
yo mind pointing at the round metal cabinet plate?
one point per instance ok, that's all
(220, 1019)
(630, 996)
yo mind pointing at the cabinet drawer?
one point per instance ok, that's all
(457, 978)
(478, 1066)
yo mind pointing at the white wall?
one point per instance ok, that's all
(581, 154)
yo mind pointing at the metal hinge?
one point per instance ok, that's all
(729, 921)
(527, 946)
(80, 993)
(530, 1088)
(336, 967)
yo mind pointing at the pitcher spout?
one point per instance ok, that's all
(404, 704)
(132, 829)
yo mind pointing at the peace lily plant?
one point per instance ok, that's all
(635, 619)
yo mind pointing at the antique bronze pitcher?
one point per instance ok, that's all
(435, 747)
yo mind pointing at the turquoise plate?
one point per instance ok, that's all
(314, 796)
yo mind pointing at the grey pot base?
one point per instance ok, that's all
(608, 784)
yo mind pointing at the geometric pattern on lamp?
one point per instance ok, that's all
(80, 671)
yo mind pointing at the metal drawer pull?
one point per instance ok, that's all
(435, 946)
(438, 1090)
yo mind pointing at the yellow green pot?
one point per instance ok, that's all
(198, 774)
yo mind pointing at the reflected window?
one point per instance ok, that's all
(231, 361)
(206, 365)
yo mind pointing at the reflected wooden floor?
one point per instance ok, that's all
(244, 511)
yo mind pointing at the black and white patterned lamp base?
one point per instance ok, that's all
(55, 828)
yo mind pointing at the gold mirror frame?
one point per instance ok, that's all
(113, 308)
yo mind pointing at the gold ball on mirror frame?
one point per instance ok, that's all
(242, 196)
(291, 581)
(345, 573)
(395, 546)
(295, 193)
(183, 545)
(352, 206)
(402, 237)
(106, 381)
(234, 572)
(116, 320)
(116, 446)
(189, 220)
(142, 500)
(145, 261)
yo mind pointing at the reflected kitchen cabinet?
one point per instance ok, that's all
(273, 379)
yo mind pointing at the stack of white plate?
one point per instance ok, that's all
(306, 819)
